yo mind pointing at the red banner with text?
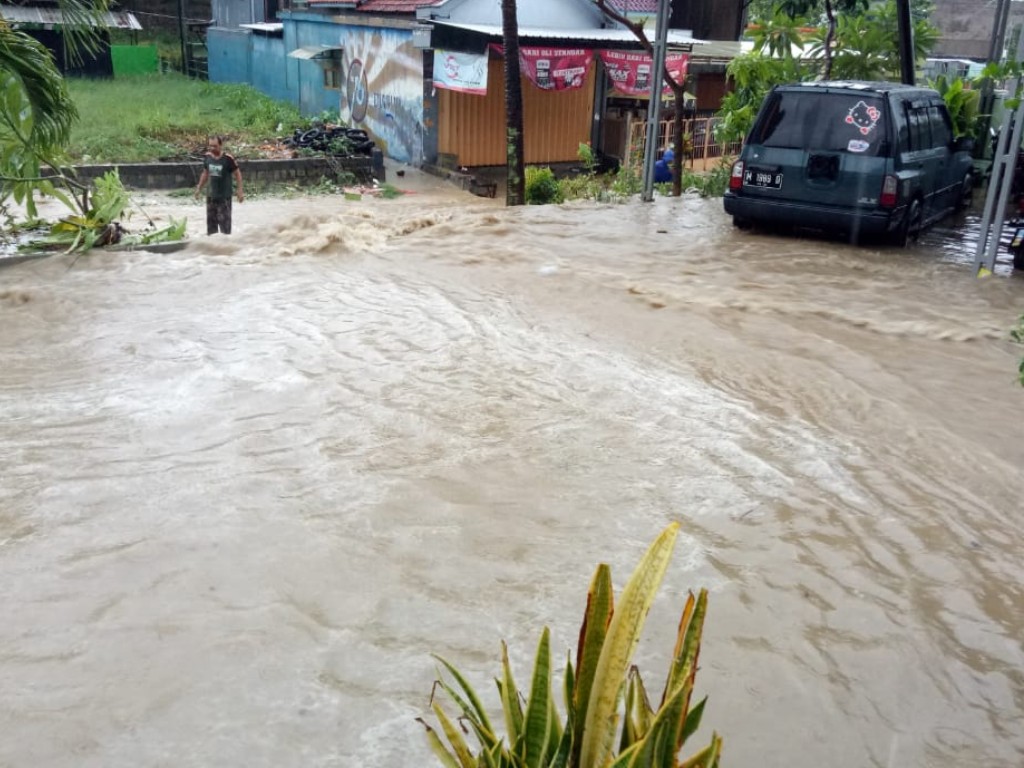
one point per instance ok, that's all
(556, 69)
(631, 73)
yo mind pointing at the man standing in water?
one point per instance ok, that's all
(219, 168)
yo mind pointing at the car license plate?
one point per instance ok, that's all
(762, 177)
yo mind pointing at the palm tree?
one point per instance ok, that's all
(36, 112)
(779, 34)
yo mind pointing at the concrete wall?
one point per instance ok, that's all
(255, 173)
(965, 26)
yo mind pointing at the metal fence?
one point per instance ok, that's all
(700, 142)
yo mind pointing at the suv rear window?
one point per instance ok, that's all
(832, 122)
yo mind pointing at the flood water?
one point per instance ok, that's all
(248, 488)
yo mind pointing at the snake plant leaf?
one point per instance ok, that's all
(629, 725)
(438, 747)
(624, 758)
(693, 720)
(707, 757)
(459, 746)
(601, 722)
(489, 758)
(683, 672)
(486, 738)
(657, 747)
(691, 627)
(555, 732)
(537, 721)
(638, 713)
(510, 704)
(569, 690)
(474, 700)
(596, 620)
(560, 759)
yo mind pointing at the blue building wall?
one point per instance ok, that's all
(382, 75)
(229, 55)
(269, 68)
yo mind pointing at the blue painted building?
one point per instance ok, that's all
(358, 61)
(373, 62)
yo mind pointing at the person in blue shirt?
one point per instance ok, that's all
(663, 168)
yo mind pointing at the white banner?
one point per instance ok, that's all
(464, 72)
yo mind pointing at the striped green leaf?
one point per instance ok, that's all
(474, 700)
(623, 635)
(510, 704)
(437, 746)
(692, 722)
(455, 738)
(537, 723)
(707, 757)
(596, 619)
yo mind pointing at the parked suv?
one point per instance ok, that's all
(861, 158)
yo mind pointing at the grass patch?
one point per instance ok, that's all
(146, 118)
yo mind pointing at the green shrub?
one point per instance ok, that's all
(582, 187)
(599, 692)
(541, 186)
(626, 183)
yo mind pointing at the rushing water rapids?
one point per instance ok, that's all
(249, 487)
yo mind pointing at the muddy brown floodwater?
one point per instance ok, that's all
(248, 488)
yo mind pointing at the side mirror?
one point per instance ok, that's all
(963, 144)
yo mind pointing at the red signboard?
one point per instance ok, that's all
(556, 69)
(631, 73)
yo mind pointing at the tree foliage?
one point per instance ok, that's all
(861, 45)
(36, 112)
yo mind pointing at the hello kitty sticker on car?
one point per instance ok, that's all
(864, 117)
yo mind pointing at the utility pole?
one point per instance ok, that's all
(908, 60)
(654, 105)
(181, 35)
(1001, 182)
(516, 180)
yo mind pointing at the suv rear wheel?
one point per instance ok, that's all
(966, 196)
(911, 226)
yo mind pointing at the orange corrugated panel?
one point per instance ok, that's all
(473, 127)
(555, 123)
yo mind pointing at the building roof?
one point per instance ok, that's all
(52, 17)
(378, 6)
(394, 6)
(637, 7)
(676, 38)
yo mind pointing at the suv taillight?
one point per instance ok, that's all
(890, 190)
(736, 180)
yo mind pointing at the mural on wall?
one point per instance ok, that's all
(383, 89)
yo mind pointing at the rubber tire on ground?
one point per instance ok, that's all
(966, 196)
(741, 223)
(911, 226)
(310, 136)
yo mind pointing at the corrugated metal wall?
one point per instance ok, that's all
(554, 123)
